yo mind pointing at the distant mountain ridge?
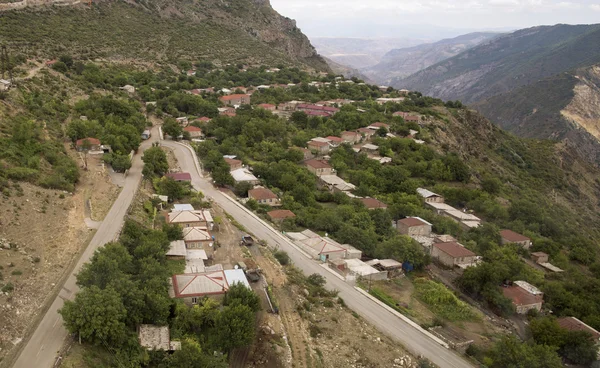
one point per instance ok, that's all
(540, 82)
(508, 62)
(403, 62)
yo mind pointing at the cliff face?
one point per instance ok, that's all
(253, 27)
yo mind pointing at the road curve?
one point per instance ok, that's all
(410, 337)
(42, 347)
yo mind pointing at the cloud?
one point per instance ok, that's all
(595, 7)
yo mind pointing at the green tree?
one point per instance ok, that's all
(155, 162)
(239, 293)
(235, 327)
(192, 356)
(172, 128)
(171, 188)
(96, 315)
(509, 352)
(579, 348)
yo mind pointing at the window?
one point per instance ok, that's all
(194, 300)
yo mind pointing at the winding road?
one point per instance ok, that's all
(409, 336)
(41, 349)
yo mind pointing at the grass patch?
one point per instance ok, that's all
(389, 301)
(442, 301)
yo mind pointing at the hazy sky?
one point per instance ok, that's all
(430, 18)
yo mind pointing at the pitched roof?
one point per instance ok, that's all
(335, 139)
(413, 221)
(379, 125)
(281, 214)
(233, 97)
(232, 161)
(196, 234)
(93, 141)
(511, 236)
(349, 133)
(191, 128)
(520, 296)
(318, 143)
(243, 174)
(373, 203)
(185, 216)
(261, 193)
(574, 324)
(193, 285)
(177, 248)
(317, 164)
(426, 193)
(266, 105)
(366, 130)
(204, 119)
(454, 250)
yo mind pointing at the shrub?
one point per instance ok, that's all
(17, 272)
(282, 257)
(8, 288)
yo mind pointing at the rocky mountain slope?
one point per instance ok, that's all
(399, 63)
(508, 62)
(359, 52)
(242, 31)
(563, 107)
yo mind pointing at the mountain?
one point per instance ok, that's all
(508, 62)
(359, 52)
(240, 31)
(564, 107)
(403, 62)
(346, 71)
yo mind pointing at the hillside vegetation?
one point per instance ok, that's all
(242, 31)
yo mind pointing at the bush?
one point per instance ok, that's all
(17, 273)
(442, 301)
(8, 288)
(282, 257)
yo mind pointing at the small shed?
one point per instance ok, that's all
(539, 257)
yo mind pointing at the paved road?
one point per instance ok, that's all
(410, 337)
(42, 347)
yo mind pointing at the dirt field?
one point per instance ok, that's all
(45, 230)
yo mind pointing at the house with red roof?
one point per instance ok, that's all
(574, 324)
(318, 147)
(194, 131)
(264, 196)
(524, 296)
(267, 106)
(413, 226)
(204, 119)
(233, 163)
(280, 215)
(94, 144)
(366, 132)
(453, 254)
(235, 100)
(509, 236)
(319, 167)
(334, 141)
(316, 110)
(373, 203)
(376, 126)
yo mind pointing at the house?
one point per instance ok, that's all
(244, 175)
(192, 287)
(334, 184)
(369, 148)
(318, 147)
(406, 116)
(193, 218)
(384, 100)
(264, 196)
(319, 167)
(334, 141)
(524, 296)
(195, 132)
(269, 107)
(373, 203)
(453, 254)
(366, 132)
(414, 226)
(4, 84)
(197, 238)
(235, 100)
(509, 236)
(204, 119)
(574, 324)
(429, 196)
(323, 248)
(465, 220)
(233, 163)
(93, 144)
(356, 267)
(377, 126)
(280, 215)
(351, 137)
(183, 121)
(181, 176)
(539, 257)
(177, 250)
(128, 88)
(226, 110)
(305, 152)
(154, 337)
(317, 110)
(393, 267)
(444, 238)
